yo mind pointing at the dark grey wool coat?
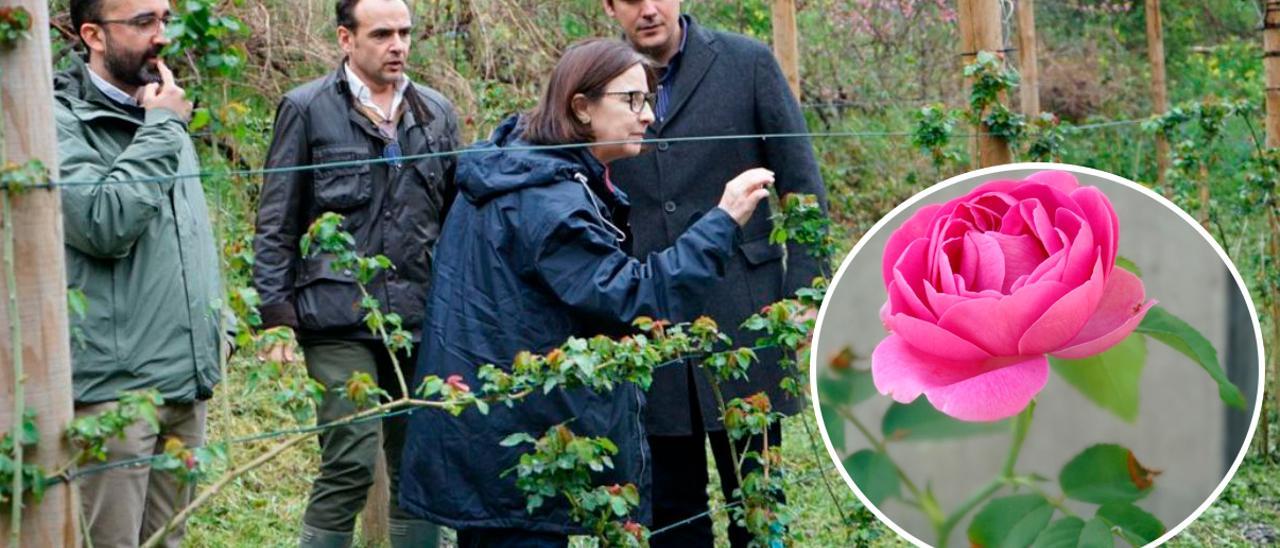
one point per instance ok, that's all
(726, 84)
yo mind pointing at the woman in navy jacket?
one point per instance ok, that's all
(536, 251)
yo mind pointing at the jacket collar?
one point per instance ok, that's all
(700, 49)
(416, 111)
(74, 89)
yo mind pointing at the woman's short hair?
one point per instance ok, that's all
(586, 67)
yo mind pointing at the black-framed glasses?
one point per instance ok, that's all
(637, 99)
(147, 23)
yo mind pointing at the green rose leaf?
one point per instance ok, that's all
(1096, 534)
(1129, 265)
(874, 473)
(1179, 335)
(1064, 533)
(846, 387)
(1010, 521)
(1073, 532)
(918, 420)
(1138, 526)
(834, 424)
(1109, 379)
(1104, 474)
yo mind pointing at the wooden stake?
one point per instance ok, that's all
(786, 46)
(980, 30)
(26, 90)
(1271, 64)
(374, 522)
(1159, 91)
(1027, 65)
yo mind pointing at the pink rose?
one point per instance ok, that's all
(983, 287)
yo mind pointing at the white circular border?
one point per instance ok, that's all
(958, 179)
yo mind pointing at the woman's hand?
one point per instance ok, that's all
(743, 193)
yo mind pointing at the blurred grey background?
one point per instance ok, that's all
(1183, 429)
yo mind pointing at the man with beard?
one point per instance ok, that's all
(711, 83)
(367, 109)
(143, 254)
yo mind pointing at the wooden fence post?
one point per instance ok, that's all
(26, 90)
(1027, 64)
(1159, 91)
(980, 30)
(1271, 65)
(786, 46)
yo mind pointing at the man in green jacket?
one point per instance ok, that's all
(140, 245)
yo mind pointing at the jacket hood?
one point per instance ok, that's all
(502, 164)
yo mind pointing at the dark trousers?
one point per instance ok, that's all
(510, 538)
(680, 482)
(348, 452)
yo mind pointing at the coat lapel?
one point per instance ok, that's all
(699, 52)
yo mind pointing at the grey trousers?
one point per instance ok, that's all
(125, 506)
(348, 452)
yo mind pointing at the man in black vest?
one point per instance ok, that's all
(366, 109)
(711, 83)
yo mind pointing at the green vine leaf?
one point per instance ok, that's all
(1110, 379)
(1179, 335)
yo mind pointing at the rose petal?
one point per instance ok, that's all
(915, 227)
(930, 338)
(1119, 312)
(1061, 181)
(973, 390)
(1021, 255)
(1037, 219)
(998, 394)
(908, 278)
(1081, 254)
(996, 325)
(903, 371)
(1102, 218)
(982, 264)
(1066, 317)
(940, 302)
(1051, 269)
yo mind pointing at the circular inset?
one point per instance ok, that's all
(1050, 355)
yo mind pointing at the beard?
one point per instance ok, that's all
(132, 67)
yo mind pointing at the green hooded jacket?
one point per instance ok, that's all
(142, 253)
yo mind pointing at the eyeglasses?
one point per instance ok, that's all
(146, 24)
(636, 99)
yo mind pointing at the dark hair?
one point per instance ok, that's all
(346, 13)
(586, 67)
(84, 11)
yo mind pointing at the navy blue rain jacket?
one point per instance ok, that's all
(533, 253)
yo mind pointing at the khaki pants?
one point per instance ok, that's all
(125, 506)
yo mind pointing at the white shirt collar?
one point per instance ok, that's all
(365, 96)
(110, 90)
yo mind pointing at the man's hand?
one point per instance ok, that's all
(281, 352)
(166, 94)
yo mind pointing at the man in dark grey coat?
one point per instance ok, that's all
(366, 109)
(711, 83)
